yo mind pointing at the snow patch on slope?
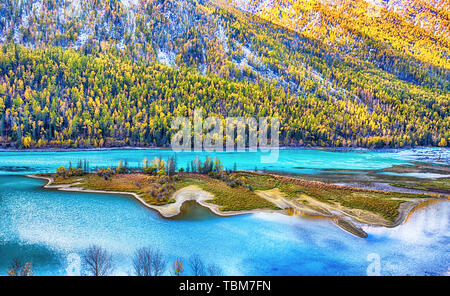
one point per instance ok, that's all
(166, 57)
(221, 34)
(129, 3)
(74, 9)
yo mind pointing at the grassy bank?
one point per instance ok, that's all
(229, 198)
(439, 185)
(150, 188)
(237, 191)
(385, 204)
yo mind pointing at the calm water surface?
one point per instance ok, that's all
(51, 228)
(289, 160)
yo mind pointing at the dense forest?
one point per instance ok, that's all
(115, 73)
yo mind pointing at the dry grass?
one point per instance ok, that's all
(383, 203)
(228, 198)
(148, 187)
(442, 185)
(242, 197)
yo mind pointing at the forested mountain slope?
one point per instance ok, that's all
(115, 73)
(411, 27)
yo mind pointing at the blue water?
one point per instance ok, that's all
(51, 228)
(289, 160)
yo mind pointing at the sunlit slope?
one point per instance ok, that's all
(411, 27)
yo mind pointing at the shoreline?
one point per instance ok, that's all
(318, 208)
(344, 219)
(319, 148)
(189, 193)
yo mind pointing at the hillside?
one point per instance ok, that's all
(115, 73)
(414, 29)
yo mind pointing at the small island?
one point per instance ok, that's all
(159, 186)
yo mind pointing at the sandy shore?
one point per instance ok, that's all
(350, 220)
(189, 193)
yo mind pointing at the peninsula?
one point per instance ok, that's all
(226, 193)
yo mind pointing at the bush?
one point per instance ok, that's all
(61, 172)
(105, 173)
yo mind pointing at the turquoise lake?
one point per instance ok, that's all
(51, 228)
(290, 160)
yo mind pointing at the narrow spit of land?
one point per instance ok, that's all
(235, 193)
